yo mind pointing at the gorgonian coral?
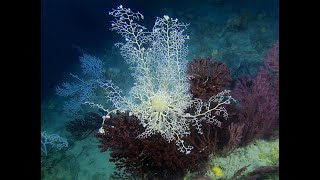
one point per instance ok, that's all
(145, 158)
(84, 88)
(81, 128)
(160, 95)
(207, 79)
(259, 99)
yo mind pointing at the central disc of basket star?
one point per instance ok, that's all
(160, 105)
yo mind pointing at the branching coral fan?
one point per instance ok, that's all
(84, 88)
(259, 100)
(81, 128)
(145, 158)
(207, 79)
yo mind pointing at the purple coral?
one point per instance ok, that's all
(258, 98)
(272, 63)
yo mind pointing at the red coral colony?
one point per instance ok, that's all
(255, 115)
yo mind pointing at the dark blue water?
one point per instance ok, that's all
(66, 24)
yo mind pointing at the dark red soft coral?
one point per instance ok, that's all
(207, 79)
(149, 157)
